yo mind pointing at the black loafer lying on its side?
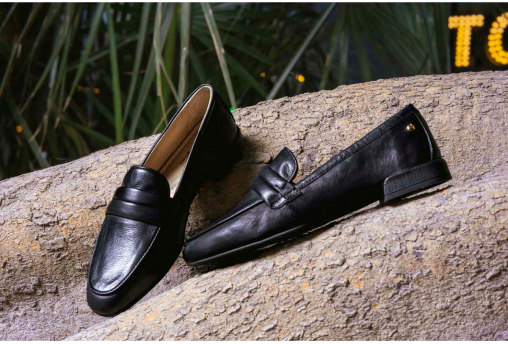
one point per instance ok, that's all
(397, 159)
(143, 232)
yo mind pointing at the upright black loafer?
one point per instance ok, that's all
(395, 160)
(143, 232)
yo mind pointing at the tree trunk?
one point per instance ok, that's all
(434, 267)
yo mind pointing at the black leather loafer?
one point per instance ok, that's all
(143, 232)
(395, 160)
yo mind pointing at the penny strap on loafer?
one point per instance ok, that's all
(145, 205)
(140, 197)
(273, 188)
(271, 196)
(138, 212)
(273, 178)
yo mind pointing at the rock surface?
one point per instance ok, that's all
(431, 268)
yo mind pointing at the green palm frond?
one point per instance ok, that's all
(80, 77)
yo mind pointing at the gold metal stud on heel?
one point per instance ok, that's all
(410, 127)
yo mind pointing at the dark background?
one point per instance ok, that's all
(67, 85)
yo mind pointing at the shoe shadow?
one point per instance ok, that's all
(275, 248)
(216, 198)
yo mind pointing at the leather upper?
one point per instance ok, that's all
(274, 204)
(133, 219)
(144, 228)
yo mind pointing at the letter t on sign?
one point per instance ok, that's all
(464, 25)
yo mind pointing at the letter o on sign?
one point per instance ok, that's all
(495, 40)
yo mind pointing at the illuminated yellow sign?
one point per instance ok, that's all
(465, 25)
(496, 51)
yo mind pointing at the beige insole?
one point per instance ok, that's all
(175, 165)
(171, 152)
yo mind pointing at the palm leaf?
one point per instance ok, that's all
(219, 49)
(198, 67)
(61, 77)
(115, 75)
(46, 23)
(97, 55)
(236, 68)
(160, 68)
(88, 48)
(185, 25)
(27, 132)
(150, 72)
(299, 52)
(139, 54)
(93, 134)
(7, 16)
(246, 75)
(31, 17)
(62, 35)
(336, 36)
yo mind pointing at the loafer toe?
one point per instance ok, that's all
(121, 247)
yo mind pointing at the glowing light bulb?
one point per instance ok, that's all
(496, 51)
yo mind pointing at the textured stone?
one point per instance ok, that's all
(54, 245)
(429, 285)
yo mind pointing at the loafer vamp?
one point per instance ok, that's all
(249, 226)
(253, 219)
(133, 221)
(120, 247)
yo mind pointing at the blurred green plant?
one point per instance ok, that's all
(81, 77)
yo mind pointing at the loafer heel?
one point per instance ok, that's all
(416, 179)
(228, 159)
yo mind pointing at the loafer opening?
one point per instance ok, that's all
(172, 151)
